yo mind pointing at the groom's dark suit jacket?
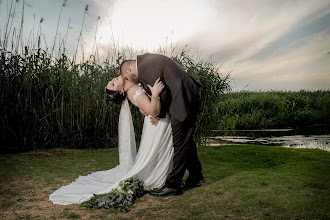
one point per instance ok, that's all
(181, 90)
(181, 98)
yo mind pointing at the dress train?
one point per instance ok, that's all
(152, 163)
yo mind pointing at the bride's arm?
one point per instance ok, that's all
(151, 106)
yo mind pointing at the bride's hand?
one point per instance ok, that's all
(157, 88)
(154, 120)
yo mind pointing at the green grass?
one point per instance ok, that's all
(244, 181)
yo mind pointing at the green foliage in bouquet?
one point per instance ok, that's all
(121, 197)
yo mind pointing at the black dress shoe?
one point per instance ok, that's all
(165, 191)
(189, 183)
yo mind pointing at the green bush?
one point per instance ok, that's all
(273, 109)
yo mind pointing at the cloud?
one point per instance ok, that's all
(310, 49)
(252, 32)
(243, 29)
(307, 63)
(104, 9)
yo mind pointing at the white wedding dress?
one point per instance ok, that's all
(152, 163)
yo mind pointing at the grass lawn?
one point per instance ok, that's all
(242, 181)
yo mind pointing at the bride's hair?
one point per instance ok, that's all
(115, 96)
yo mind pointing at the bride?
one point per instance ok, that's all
(152, 163)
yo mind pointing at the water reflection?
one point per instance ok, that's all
(311, 137)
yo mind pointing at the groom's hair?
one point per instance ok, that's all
(115, 96)
(125, 64)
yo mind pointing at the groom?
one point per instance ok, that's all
(181, 98)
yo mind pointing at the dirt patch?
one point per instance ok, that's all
(30, 201)
(53, 152)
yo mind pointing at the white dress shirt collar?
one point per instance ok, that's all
(136, 66)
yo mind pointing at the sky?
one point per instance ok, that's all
(263, 44)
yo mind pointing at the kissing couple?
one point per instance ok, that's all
(167, 148)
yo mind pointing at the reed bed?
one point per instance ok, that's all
(59, 103)
(49, 98)
(47, 103)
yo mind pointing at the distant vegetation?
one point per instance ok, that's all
(273, 109)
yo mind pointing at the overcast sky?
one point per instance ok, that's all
(265, 44)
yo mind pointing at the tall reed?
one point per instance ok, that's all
(45, 103)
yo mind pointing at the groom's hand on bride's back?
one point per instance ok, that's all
(153, 120)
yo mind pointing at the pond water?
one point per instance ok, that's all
(313, 137)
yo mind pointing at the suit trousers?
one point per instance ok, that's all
(185, 151)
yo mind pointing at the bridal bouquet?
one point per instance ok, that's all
(121, 197)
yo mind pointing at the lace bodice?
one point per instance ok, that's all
(136, 95)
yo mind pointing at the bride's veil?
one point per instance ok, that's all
(101, 182)
(126, 137)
